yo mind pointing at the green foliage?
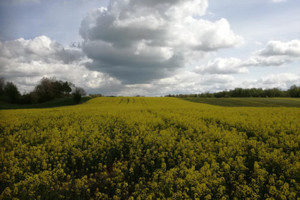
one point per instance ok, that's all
(2, 85)
(294, 91)
(67, 101)
(149, 148)
(12, 92)
(49, 89)
(77, 94)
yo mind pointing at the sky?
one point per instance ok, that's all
(151, 47)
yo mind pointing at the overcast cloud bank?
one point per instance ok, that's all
(138, 41)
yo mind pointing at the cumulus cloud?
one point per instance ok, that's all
(281, 80)
(137, 41)
(223, 66)
(40, 48)
(25, 1)
(185, 82)
(262, 61)
(276, 53)
(25, 62)
(278, 1)
(278, 48)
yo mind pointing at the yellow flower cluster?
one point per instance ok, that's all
(149, 148)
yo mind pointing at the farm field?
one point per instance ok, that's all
(248, 102)
(150, 148)
(50, 104)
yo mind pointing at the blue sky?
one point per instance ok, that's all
(151, 48)
(58, 19)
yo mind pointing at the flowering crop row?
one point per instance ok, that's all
(149, 148)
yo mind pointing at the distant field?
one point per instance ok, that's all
(248, 102)
(50, 104)
(150, 148)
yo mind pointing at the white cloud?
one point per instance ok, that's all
(25, 1)
(25, 62)
(40, 48)
(262, 61)
(186, 82)
(276, 53)
(278, 48)
(137, 41)
(222, 66)
(278, 1)
(281, 80)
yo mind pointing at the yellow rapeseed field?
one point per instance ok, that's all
(150, 148)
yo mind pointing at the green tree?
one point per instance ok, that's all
(12, 92)
(50, 88)
(294, 91)
(45, 90)
(77, 94)
(2, 84)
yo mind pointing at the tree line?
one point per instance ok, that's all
(293, 91)
(47, 89)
